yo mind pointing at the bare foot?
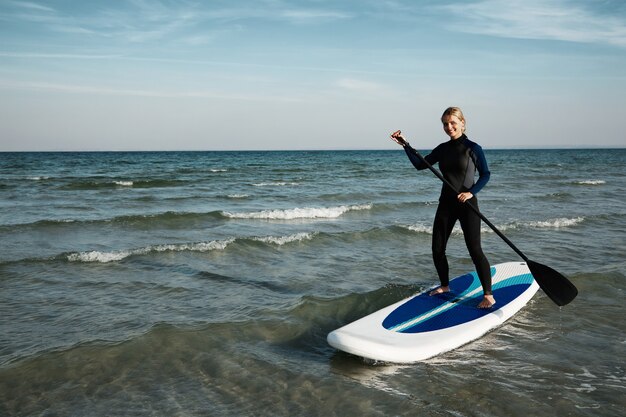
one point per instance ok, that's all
(439, 290)
(487, 302)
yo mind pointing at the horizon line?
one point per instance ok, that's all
(513, 148)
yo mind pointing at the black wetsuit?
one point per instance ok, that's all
(458, 159)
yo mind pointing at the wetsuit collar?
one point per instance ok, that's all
(460, 139)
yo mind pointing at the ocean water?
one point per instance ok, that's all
(205, 283)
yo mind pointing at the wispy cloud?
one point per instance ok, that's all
(30, 6)
(26, 11)
(206, 64)
(362, 88)
(560, 20)
(106, 91)
(138, 21)
(44, 16)
(311, 15)
(30, 55)
(358, 85)
(143, 21)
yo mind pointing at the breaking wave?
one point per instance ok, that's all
(275, 184)
(534, 224)
(299, 213)
(113, 256)
(118, 255)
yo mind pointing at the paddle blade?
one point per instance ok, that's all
(556, 286)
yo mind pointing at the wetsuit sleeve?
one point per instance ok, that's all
(483, 169)
(432, 157)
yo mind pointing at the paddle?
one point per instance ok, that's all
(556, 286)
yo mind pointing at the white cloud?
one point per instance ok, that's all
(108, 91)
(307, 15)
(358, 85)
(559, 20)
(31, 6)
(56, 56)
(358, 88)
(143, 21)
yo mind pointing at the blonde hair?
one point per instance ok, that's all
(454, 111)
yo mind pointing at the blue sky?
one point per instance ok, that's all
(316, 74)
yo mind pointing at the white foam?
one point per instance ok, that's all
(538, 224)
(97, 256)
(194, 247)
(114, 256)
(124, 183)
(238, 195)
(299, 213)
(591, 182)
(557, 223)
(218, 170)
(420, 228)
(274, 184)
(282, 240)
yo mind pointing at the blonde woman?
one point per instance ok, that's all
(459, 159)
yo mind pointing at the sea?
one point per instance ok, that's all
(205, 284)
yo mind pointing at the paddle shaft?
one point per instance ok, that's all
(483, 218)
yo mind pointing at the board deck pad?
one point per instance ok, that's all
(423, 326)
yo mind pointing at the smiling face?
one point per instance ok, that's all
(453, 126)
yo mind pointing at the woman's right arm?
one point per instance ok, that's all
(432, 157)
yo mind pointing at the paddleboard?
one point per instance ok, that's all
(423, 326)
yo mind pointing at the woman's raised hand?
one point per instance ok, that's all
(398, 138)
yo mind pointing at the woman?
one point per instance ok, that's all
(459, 159)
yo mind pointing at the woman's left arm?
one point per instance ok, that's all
(483, 170)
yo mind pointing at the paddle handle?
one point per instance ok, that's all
(482, 217)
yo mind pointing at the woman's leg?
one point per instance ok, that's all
(470, 223)
(445, 218)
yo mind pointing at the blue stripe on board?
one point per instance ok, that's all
(419, 315)
(424, 303)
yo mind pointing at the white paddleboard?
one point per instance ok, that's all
(424, 326)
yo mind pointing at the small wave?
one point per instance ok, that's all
(215, 170)
(537, 224)
(557, 223)
(169, 218)
(283, 240)
(36, 224)
(97, 184)
(590, 182)
(420, 228)
(275, 184)
(238, 196)
(299, 213)
(428, 230)
(558, 196)
(114, 256)
(165, 218)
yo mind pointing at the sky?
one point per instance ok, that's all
(85, 75)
